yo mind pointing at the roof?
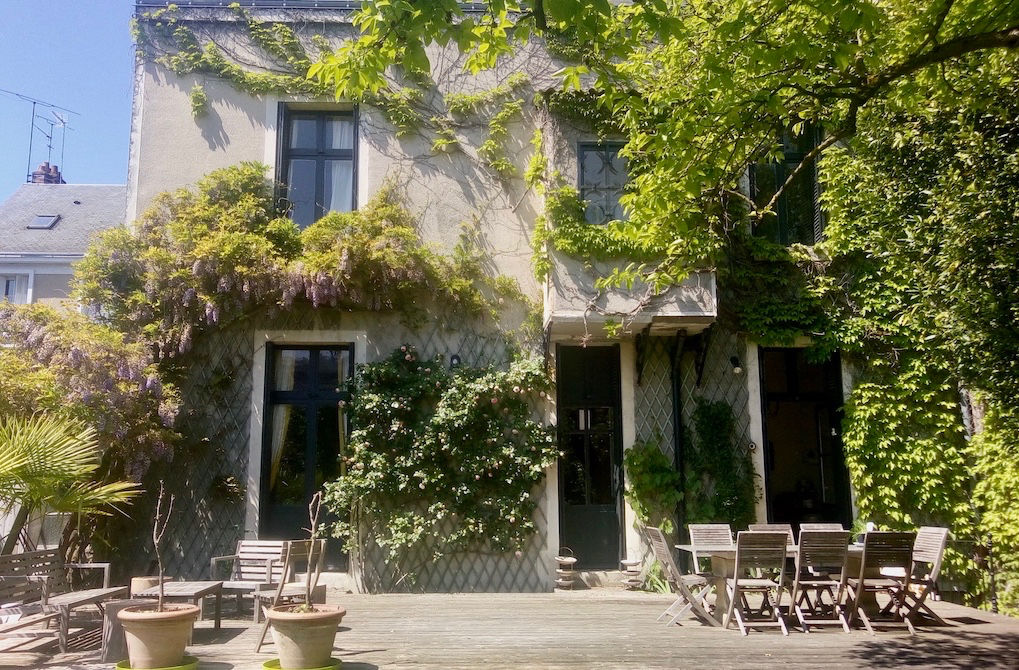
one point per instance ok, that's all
(84, 209)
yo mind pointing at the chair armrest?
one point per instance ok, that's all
(219, 559)
(105, 567)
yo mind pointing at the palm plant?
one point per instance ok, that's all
(47, 463)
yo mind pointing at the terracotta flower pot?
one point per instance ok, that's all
(157, 639)
(305, 639)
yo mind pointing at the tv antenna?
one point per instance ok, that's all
(57, 120)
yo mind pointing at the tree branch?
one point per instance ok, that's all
(848, 129)
(960, 46)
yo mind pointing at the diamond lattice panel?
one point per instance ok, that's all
(718, 383)
(215, 421)
(653, 404)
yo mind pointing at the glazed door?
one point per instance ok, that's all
(305, 438)
(590, 470)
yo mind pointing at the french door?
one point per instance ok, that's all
(306, 434)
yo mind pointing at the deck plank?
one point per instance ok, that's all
(597, 629)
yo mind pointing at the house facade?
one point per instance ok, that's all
(45, 227)
(615, 387)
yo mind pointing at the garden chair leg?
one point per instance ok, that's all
(261, 638)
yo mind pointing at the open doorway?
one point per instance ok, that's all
(805, 469)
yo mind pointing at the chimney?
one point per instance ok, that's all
(47, 174)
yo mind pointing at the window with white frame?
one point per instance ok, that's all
(14, 288)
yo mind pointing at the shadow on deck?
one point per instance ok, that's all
(601, 628)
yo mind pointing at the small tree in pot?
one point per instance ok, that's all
(156, 636)
(304, 632)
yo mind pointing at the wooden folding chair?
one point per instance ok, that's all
(883, 550)
(310, 554)
(708, 534)
(691, 590)
(821, 526)
(822, 554)
(928, 550)
(764, 551)
(774, 528)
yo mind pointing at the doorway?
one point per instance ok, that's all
(805, 469)
(590, 469)
(306, 436)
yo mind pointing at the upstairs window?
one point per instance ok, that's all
(797, 217)
(317, 166)
(602, 177)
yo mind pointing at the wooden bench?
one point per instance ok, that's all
(21, 607)
(256, 565)
(47, 567)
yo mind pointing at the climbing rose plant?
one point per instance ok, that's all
(441, 462)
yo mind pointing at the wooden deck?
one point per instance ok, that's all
(602, 628)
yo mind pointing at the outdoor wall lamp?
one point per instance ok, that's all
(737, 369)
(454, 361)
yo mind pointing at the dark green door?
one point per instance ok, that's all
(590, 469)
(305, 438)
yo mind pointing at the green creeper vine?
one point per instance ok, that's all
(199, 101)
(654, 487)
(441, 462)
(720, 481)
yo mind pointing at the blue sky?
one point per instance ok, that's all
(76, 55)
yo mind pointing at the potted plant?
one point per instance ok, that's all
(156, 636)
(304, 633)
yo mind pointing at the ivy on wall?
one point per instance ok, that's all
(654, 487)
(441, 462)
(720, 482)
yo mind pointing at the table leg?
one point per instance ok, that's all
(219, 604)
(721, 569)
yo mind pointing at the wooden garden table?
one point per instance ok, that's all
(193, 592)
(723, 567)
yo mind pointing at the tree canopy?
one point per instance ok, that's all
(913, 107)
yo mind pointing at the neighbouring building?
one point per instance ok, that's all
(612, 391)
(45, 226)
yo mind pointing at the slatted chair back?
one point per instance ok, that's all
(929, 548)
(822, 551)
(775, 528)
(252, 562)
(45, 563)
(887, 549)
(764, 550)
(713, 534)
(306, 556)
(821, 526)
(20, 590)
(660, 549)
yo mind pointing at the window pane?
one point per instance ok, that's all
(601, 469)
(303, 133)
(331, 443)
(574, 480)
(339, 132)
(592, 169)
(339, 186)
(333, 365)
(290, 369)
(597, 209)
(288, 440)
(301, 191)
(616, 173)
